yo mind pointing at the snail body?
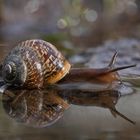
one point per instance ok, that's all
(37, 63)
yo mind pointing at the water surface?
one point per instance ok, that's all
(82, 120)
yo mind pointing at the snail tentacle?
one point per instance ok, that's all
(113, 60)
(121, 115)
(122, 67)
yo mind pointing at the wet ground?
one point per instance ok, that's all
(81, 111)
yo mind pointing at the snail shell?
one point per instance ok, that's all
(34, 64)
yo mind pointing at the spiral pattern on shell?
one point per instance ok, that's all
(34, 64)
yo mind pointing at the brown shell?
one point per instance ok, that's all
(44, 63)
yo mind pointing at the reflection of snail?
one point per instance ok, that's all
(106, 98)
(41, 108)
(36, 63)
(35, 108)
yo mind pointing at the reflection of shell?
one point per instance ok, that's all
(35, 108)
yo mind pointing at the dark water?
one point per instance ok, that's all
(88, 118)
(80, 112)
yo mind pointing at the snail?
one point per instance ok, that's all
(37, 63)
(41, 108)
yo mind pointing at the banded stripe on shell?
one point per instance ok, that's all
(41, 64)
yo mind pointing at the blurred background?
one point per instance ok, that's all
(70, 24)
(73, 26)
(87, 32)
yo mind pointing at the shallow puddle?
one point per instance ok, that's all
(70, 113)
(81, 111)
